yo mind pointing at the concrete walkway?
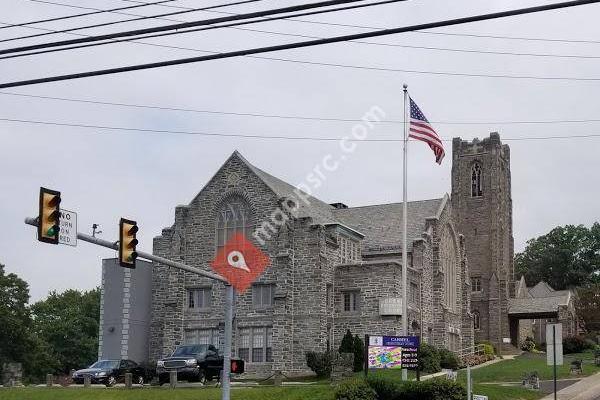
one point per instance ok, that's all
(485, 364)
(586, 389)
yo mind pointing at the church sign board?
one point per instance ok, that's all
(393, 352)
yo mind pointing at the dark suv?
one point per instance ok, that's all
(193, 363)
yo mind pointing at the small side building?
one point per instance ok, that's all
(125, 309)
(534, 307)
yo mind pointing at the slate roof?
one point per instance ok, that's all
(318, 210)
(535, 305)
(382, 224)
(541, 299)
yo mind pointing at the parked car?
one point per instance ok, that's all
(109, 372)
(193, 363)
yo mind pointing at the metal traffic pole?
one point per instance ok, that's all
(226, 387)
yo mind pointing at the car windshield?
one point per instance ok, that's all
(190, 350)
(102, 364)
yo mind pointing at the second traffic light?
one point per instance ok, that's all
(49, 215)
(127, 243)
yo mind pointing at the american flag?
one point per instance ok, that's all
(420, 129)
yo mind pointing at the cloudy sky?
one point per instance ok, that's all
(105, 174)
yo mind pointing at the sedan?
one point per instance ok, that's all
(109, 372)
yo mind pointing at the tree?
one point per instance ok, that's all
(347, 344)
(588, 307)
(566, 256)
(359, 354)
(68, 323)
(15, 320)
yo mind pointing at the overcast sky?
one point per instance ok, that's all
(104, 174)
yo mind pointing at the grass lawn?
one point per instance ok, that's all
(513, 370)
(320, 392)
(497, 392)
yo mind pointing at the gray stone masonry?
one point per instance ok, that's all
(486, 223)
(311, 269)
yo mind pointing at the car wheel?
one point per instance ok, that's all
(140, 380)
(111, 381)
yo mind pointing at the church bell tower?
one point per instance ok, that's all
(482, 204)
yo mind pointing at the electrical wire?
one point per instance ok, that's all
(364, 42)
(318, 42)
(488, 36)
(97, 11)
(182, 25)
(268, 137)
(93, 44)
(288, 116)
(128, 20)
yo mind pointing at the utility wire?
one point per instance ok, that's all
(489, 36)
(289, 116)
(183, 25)
(178, 32)
(97, 11)
(364, 42)
(128, 20)
(256, 136)
(316, 42)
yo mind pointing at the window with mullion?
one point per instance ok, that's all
(232, 217)
(262, 295)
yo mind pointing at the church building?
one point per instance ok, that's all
(334, 267)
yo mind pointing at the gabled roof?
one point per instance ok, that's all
(382, 224)
(318, 210)
(540, 299)
(542, 289)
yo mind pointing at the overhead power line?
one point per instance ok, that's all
(112, 10)
(265, 137)
(128, 20)
(289, 116)
(178, 26)
(362, 42)
(310, 43)
(179, 32)
(488, 36)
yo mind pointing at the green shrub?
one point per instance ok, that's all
(448, 359)
(487, 346)
(432, 389)
(488, 349)
(359, 354)
(354, 389)
(319, 363)
(435, 389)
(574, 344)
(385, 387)
(429, 359)
(528, 344)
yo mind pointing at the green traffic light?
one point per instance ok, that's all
(51, 232)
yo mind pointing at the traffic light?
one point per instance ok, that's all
(237, 366)
(48, 217)
(127, 243)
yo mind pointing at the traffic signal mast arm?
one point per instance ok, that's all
(141, 254)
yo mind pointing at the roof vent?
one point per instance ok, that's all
(339, 206)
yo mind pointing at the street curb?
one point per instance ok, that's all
(586, 389)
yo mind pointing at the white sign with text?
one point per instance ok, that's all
(68, 228)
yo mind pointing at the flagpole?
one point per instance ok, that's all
(404, 227)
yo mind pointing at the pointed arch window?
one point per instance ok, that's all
(476, 185)
(476, 320)
(449, 264)
(233, 216)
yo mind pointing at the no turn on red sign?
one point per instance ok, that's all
(67, 222)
